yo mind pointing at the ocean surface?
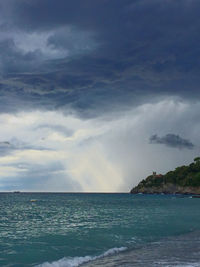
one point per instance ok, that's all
(68, 230)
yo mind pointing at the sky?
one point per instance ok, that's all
(95, 95)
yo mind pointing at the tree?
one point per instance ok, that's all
(197, 159)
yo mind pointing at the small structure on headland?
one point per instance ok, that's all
(157, 175)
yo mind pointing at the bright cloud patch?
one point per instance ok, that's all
(49, 151)
(57, 150)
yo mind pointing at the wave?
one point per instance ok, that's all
(77, 261)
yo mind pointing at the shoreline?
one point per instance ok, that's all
(178, 250)
(169, 194)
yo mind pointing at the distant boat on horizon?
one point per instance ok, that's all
(16, 192)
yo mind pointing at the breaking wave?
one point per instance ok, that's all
(77, 261)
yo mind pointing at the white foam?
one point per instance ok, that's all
(77, 261)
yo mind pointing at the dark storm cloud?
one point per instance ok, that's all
(13, 60)
(72, 40)
(108, 50)
(171, 140)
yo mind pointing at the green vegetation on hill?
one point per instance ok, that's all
(181, 176)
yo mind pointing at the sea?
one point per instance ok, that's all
(92, 229)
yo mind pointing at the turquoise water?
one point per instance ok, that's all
(49, 229)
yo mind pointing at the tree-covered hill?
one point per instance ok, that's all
(184, 179)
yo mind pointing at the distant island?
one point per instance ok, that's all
(183, 180)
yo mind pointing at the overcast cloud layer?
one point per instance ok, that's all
(96, 94)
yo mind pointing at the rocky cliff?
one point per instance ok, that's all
(166, 189)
